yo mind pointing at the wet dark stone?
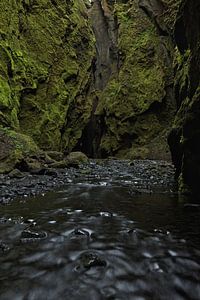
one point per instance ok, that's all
(73, 165)
(3, 220)
(20, 193)
(51, 172)
(6, 200)
(80, 232)
(38, 171)
(4, 247)
(89, 260)
(28, 234)
(109, 293)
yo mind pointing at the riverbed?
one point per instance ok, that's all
(109, 230)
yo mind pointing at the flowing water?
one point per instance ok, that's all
(100, 239)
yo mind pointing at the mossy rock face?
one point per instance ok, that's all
(46, 50)
(162, 12)
(138, 102)
(13, 148)
(47, 86)
(185, 134)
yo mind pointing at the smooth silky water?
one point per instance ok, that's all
(93, 240)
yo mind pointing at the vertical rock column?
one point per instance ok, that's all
(105, 65)
(104, 27)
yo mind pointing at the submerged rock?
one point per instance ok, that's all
(79, 233)
(32, 236)
(4, 247)
(90, 259)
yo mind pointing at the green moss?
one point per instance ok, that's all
(5, 94)
(145, 71)
(169, 15)
(182, 66)
(13, 148)
(22, 142)
(46, 53)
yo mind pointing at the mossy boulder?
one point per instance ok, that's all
(76, 158)
(55, 155)
(14, 147)
(15, 173)
(61, 164)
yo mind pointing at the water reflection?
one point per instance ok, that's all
(100, 242)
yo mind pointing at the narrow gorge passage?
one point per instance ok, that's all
(105, 65)
(90, 207)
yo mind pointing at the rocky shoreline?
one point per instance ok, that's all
(142, 176)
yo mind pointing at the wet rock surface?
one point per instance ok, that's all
(90, 260)
(141, 176)
(185, 134)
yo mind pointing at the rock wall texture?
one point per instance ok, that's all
(92, 77)
(184, 138)
(46, 50)
(136, 105)
(98, 77)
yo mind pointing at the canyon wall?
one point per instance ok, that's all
(104, 77)
(133, 80)
(184, 138)
(46, 50)
(46, 53)
(91, 76)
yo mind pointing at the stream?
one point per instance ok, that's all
(112, 231)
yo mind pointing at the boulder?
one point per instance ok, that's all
(14, 148)
(55, 155)
(77, 158)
